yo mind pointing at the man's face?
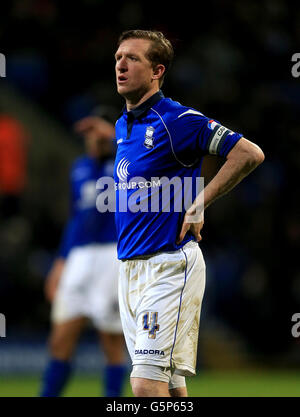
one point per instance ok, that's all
(133, 70)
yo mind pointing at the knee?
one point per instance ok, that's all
(113, 347)
(58, 349)
(140, 387)
(54, 345)
(150, 381)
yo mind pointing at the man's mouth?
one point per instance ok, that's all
(122, 79)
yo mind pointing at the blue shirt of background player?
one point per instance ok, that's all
(178, 138)
(86, 224)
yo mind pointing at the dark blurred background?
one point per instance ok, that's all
(233, 63)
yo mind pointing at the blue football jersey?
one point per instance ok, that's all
(86, 224)
(160, 139)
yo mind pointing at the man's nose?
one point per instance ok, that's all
(122, 65)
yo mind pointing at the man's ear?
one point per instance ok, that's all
(158, 71)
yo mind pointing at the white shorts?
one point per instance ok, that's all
(160, 302)
(89, 288)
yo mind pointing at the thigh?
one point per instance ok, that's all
(127, 272)
(71, 298)
(103, 291)
(167, 306)
(185, 344)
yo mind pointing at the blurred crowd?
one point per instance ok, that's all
(233, 63)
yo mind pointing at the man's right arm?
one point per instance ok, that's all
(53, 278)
(95, 125)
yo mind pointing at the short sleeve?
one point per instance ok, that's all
(194, 135)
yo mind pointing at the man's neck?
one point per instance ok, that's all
(137, 101)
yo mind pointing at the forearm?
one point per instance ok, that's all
(230, 174)
(242, 159)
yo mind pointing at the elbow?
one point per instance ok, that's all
(247, 153)
(254, 156)
(257, 156)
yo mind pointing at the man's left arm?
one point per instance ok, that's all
(243, 158)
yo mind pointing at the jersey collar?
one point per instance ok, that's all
(145, 106)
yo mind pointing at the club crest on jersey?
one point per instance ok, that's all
(149, 139)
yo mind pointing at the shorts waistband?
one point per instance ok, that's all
(189, 244)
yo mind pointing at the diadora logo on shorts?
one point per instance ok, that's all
(149, 352)
(149, 139)
(122, 170)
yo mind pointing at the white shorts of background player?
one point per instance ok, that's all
(89, 288)
(160, 302)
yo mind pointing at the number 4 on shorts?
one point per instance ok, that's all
(151, 326)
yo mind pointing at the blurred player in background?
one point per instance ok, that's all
(83, 281)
